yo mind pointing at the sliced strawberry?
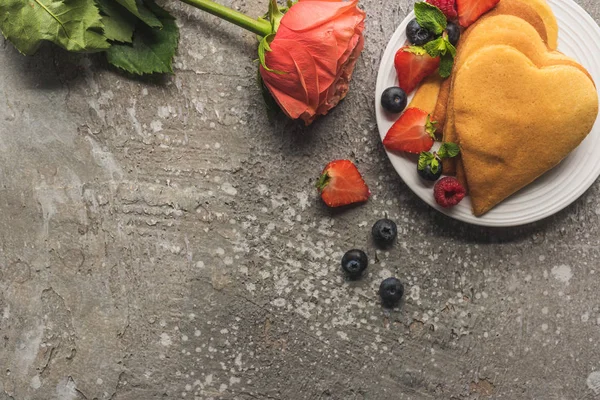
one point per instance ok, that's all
(413, 65)
(448, 7)
(469, 11)
(413, 132)
(341, 184)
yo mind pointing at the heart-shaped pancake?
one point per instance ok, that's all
(516, 120)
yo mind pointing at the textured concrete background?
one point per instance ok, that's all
(162, 239)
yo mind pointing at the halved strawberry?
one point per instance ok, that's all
(341, 184)
(448, 7)
(413, 132)
(469, 11)
(413, 64)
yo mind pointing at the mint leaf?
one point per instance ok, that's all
(435, 166)
(118, 22)
(152, 49)
(75, 25)
(446, 64)
(137, 8)
(430, 17)
(425, 159)
(448, 150)
(450, 47)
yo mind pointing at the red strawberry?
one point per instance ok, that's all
(341, 184)
(413, 65)
(413, 132)
(448, 7)
(469, 11)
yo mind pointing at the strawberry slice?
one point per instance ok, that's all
(448, 7)
(341, 184)
(413, 64)
(413, 132)
(469, 11)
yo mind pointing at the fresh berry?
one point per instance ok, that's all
(469, 11)
(448, 192)
(413, 132)
(418, 35)
(384, 232)
(453, 32)
(448, 7)
(341, 184)
(428, 174)
(354, 262)
(413, 64)
(391, 291)
(394, 99)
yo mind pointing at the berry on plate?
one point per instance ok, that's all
(430, 166)
(413, 132)
(417, 35)
(384, 232)
(448, 192)
(448, 7)
(469, 11)
(340, 184)
(354, 262)
(453, 32)
(413, 64)
(393, 99)
(391, 291)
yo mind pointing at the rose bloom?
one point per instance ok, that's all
(316, 47)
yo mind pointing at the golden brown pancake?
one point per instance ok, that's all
(516, 120)
(439, 112)
(426, 96)
(545, 12)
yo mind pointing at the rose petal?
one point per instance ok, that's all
(297, 90)
(309, 14)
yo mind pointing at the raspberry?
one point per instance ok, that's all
(448, 7)
(448, 192)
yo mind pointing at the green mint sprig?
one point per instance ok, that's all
(446, 150)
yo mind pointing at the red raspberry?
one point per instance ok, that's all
(448, 7)
(448, 192)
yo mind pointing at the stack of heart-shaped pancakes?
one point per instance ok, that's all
(514, 104)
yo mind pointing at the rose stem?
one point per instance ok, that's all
(260, 27)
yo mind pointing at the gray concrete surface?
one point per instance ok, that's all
(162, 239)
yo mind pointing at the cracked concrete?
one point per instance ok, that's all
(161, 238)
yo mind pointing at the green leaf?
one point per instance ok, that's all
(430, 126)
(435, 166)
(75, 25)
(137, 8)
(152, 49)
(446, 66)
(118, 22)
(417, 50)
(430, 17)
(425, 159)
(270, 103)
(450, 47)
(448, 150)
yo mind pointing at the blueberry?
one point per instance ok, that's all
(354, 262)
(394, 99)
(453, 32)
(418, 35)
(428, 175)
(384, 232)
(391, 291)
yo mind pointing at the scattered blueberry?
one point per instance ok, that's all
(418, 35)
(394, 99)
(391, 291)
(354, 262)
(453, 31)
(384, 232)
(428, 175)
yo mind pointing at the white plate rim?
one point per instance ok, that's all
(558, 188)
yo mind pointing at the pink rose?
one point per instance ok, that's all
(316, 47)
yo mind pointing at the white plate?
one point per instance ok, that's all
(579, 37)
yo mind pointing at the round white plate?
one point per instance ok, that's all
(579, 38)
